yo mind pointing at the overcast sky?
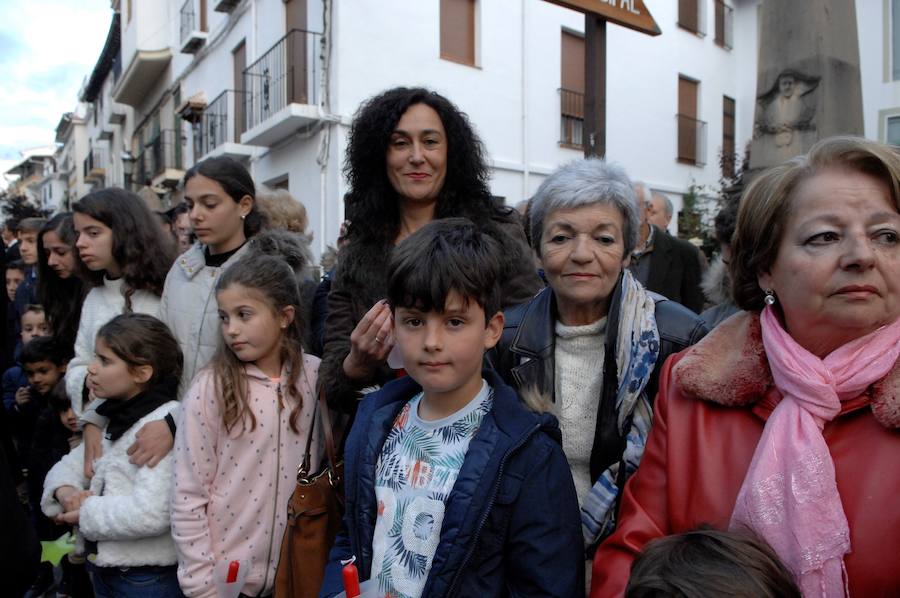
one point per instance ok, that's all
(47, 48)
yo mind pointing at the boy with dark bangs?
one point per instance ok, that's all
(453, 487)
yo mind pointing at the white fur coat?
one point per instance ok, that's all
(129, 515)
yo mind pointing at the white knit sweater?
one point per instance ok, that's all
(579, 380)
(101, 305)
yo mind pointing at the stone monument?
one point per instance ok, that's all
(808, 85)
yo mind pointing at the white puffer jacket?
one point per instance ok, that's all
(189, 308)
(101, 305)
(129, 515)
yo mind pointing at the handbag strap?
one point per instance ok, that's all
(325, 416)
(320, 412)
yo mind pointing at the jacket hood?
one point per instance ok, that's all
(716, 283)
(290, 246)
(729, 367)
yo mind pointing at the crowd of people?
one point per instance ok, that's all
(553, 403)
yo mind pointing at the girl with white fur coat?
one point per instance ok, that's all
(123, 511)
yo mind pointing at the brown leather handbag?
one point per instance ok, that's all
(314, 517)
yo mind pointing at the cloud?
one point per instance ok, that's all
(48, 48)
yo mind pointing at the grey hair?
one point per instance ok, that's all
(582, 183)
(667, 203)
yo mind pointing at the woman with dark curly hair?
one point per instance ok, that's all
(412, 157)
(126, 257)
(60, 289)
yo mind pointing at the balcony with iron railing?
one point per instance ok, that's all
(724, 25)
(281, 89)
(571, 115)
(219, 130)
(192, 36)
(691, 140)
(94, 165)
(160, 161)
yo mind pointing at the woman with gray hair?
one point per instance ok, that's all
(588, 348)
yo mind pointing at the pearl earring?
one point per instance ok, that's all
(770, 297)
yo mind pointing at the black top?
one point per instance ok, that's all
(216, 261)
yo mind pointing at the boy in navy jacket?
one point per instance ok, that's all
(453, 488)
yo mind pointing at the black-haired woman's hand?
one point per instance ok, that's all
(151, 444)
(370, 342)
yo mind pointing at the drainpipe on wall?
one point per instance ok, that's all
(525, 165)
(254, 30)
(325, 140)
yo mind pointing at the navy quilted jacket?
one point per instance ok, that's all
(511, 526)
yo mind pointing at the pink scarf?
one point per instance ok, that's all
(789, 496)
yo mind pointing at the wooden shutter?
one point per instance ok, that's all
(297, 67)
(458, 31)
(688, 15)
(572, 58)
(239, 63)
(687, 120)
(728, 114)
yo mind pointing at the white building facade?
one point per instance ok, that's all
(275, 84)
(72, 149)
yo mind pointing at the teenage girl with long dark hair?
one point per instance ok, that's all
(60, 288)
(126, 258)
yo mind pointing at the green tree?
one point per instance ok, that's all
(18, 207)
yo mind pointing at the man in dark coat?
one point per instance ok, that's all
(665, 264)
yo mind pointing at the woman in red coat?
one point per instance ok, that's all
(785, 420)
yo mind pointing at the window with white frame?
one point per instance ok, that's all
(895, 40)
(892, 130)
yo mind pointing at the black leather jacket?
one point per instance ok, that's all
(524, 358)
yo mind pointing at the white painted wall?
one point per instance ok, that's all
(511, 95)
(881, 95)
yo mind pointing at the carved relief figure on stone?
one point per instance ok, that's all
(787, 108)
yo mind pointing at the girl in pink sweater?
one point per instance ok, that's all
(243, 429)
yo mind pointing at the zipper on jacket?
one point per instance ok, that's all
(277, 480)
(209, 296)
(488, 507)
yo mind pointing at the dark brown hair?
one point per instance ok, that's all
(766, 205)
(372, 205)
(62, 298)
(236, 182)
(708, 562)
(139, 339)
(273, 280)
(31, 225)
(445, 255)
(140, 248)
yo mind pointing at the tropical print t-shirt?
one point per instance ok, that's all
(416, 471)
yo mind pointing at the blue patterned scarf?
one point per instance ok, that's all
(637, 350)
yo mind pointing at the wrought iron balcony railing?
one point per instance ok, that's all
(285, 74)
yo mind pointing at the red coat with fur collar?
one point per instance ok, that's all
(714, 399)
